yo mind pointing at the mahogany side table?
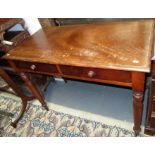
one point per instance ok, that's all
(116, 53)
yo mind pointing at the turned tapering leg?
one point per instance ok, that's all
(138, 80)
(137, 111)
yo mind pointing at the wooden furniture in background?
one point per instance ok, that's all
(17, 37)
(150, 121)
(14, 37)
(45, 22)
(116, 53)
(18, 92)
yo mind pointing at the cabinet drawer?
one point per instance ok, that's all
(152, 124)
(153, 69)
(16, 37)
(152, 85)
(153, 104)
(96, 73)
(152, 95)
(36, 67)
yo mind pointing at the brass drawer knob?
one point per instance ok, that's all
(33, 67)
(91, 73)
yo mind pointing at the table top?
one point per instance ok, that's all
(121, 45)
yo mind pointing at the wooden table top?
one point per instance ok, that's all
(123, 45)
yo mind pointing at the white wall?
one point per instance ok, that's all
(32, 25)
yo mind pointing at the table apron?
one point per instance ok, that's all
(108, 76)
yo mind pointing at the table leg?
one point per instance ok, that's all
(138, 80)
(137, 111)
(34, 90)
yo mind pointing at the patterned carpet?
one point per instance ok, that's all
(38, 122)
(41, 123)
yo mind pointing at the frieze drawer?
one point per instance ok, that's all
(96, 73)
(36, 67)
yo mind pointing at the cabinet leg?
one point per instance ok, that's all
(137, 111)
(34, 90)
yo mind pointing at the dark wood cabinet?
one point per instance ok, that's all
(150, 120)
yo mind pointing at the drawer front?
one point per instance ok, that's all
(152, 122)
(153, 69)
(36, 67)
(153, 89)
(153, 104)
(16, 37)
(96, 73)
(152, 95)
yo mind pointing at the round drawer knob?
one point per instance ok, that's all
(91, 73)
(33, 67)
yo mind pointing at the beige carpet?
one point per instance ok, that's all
(38, 122)
(60, 121)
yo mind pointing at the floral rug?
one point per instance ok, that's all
(41, 123)
(38, 122)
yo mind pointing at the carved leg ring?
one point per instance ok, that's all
(137, 109)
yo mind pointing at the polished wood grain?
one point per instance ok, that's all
(114, 53)
(109, 76)
(117, 45)
(138, 81)
(17, 37)
(96, 73)
(36, 67)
